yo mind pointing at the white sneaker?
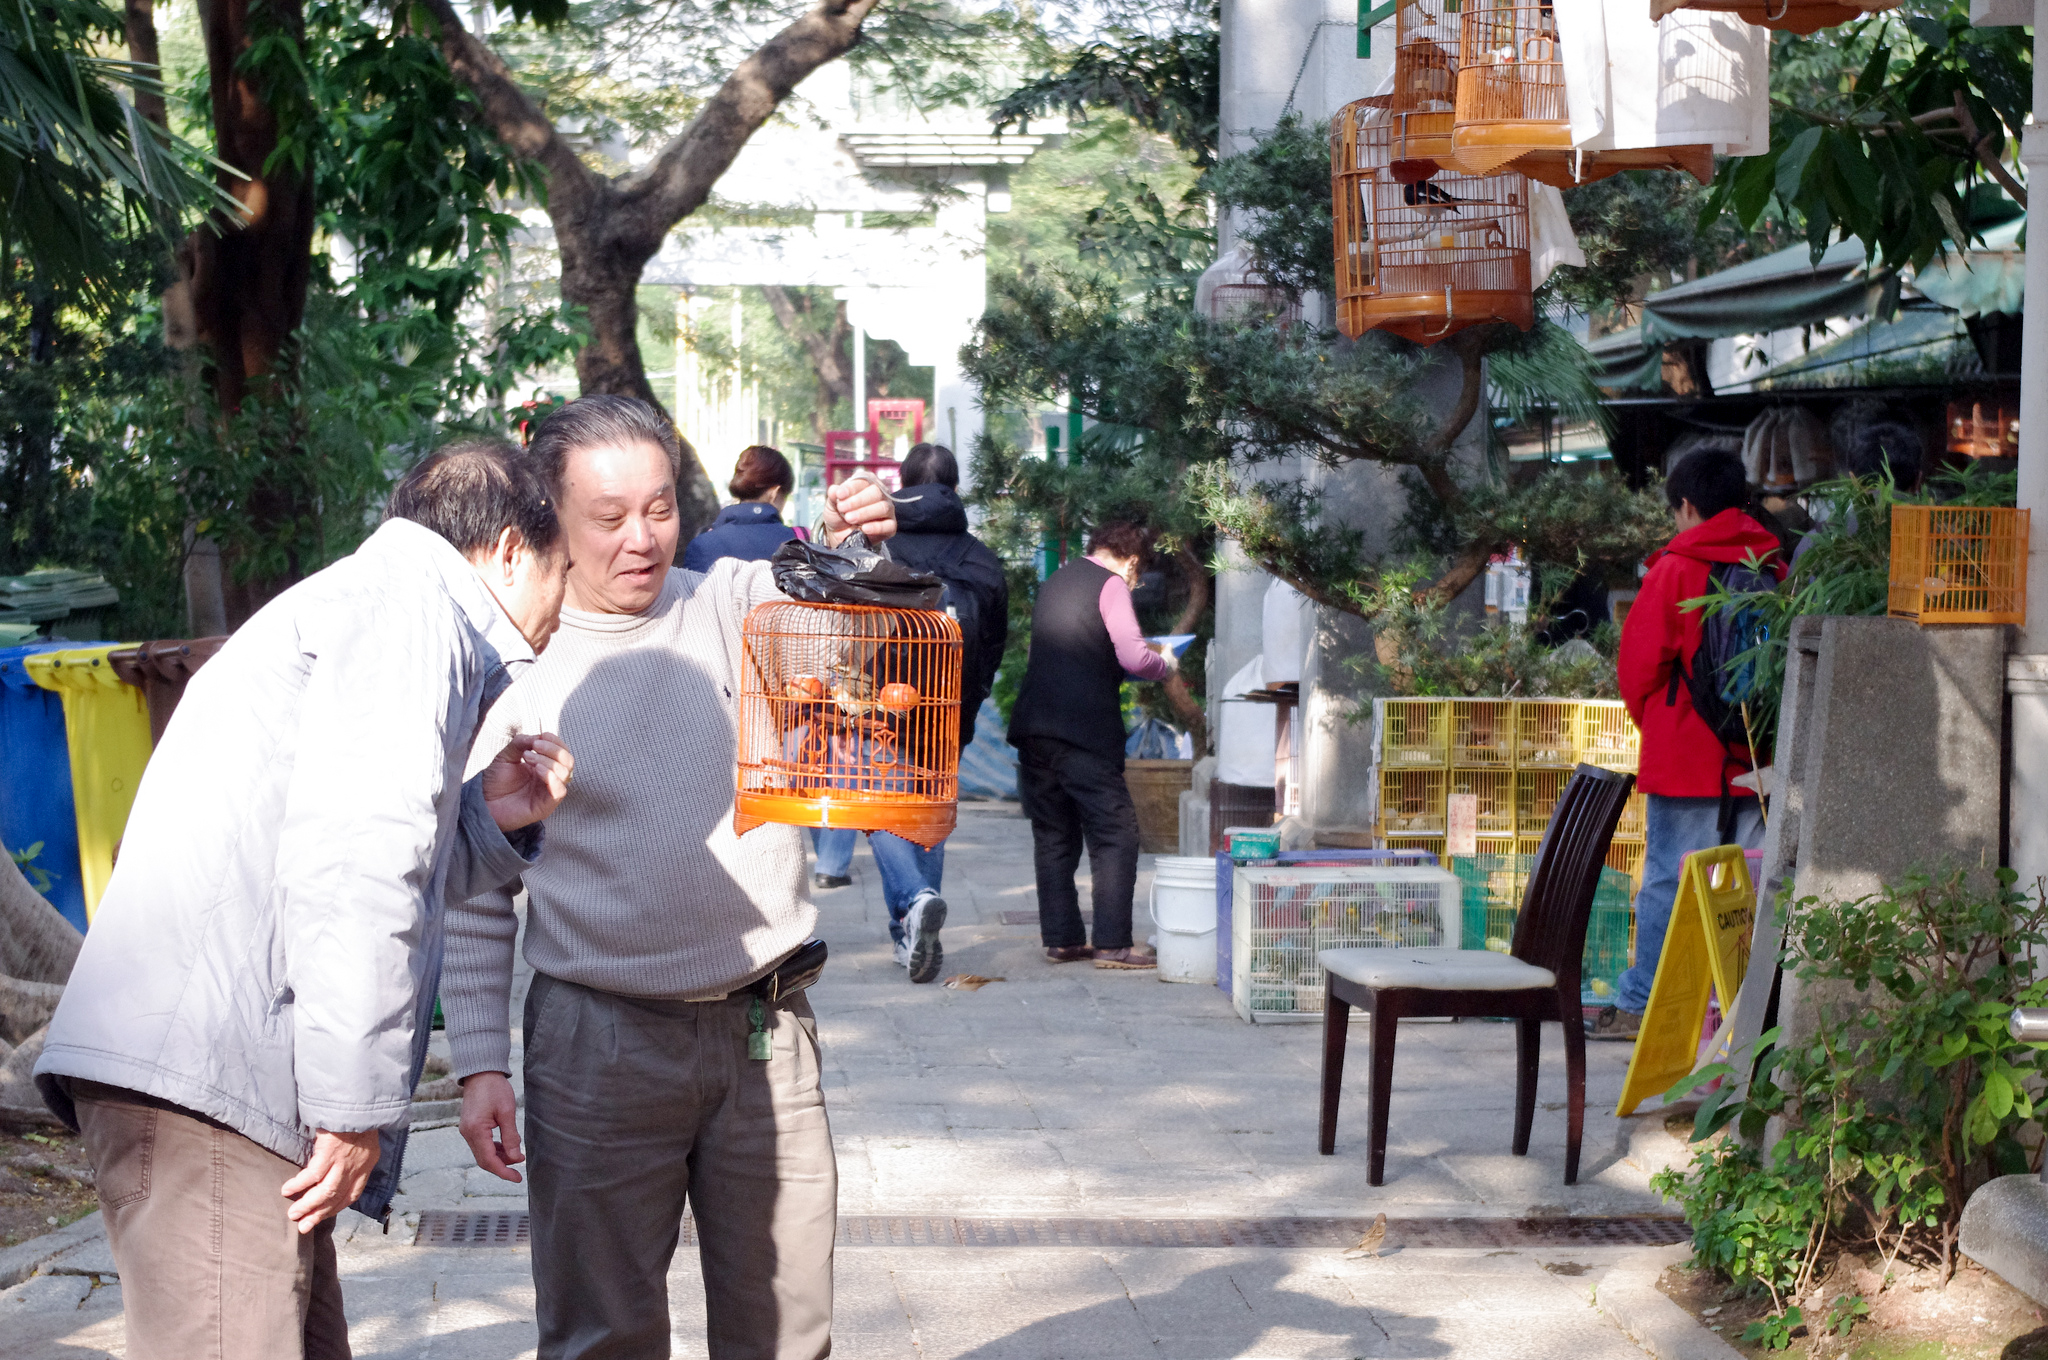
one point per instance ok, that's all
(921, 930)
(903, 953)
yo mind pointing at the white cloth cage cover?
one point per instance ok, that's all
(1711, 85)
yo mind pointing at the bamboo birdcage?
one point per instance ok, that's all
(1421, 105)
(849, 717)
(1511, 111)
(1788, 16)
(1422, 253)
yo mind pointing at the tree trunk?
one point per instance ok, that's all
(608, 229)
(36, 943)
(827, 349)
(247, 276)
(597, 277)
(140, 21)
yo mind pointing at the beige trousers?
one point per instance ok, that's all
(635, 1108)
(211, 1269)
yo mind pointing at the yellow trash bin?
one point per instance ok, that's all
(106, 728)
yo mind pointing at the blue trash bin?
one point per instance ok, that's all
(36, 805)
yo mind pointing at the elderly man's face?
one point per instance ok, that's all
(619, 515)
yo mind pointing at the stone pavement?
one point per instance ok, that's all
(1081, 1094)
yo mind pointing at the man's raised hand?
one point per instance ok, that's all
(528, 780)
(859, 503)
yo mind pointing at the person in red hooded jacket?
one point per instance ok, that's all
(1686, 770)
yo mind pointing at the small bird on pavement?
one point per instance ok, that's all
(1370, 1244)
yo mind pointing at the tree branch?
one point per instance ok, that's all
(823, 349)
(514, 118)
(680, 179)
(1982, 148)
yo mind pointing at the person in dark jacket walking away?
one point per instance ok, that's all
(752, 529)
(931, 536)
(1068, 728)
(1685, 769)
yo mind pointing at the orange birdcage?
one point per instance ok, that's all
(849, 717)
(1789, 16)
(1421, 104)
(1422, 252)
(1511, 109)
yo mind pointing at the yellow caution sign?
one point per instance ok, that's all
(1707, 944)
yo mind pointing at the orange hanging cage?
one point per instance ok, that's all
(1511, 110)
(849, 717)
(1425, 92)
(1422, 255)
(1789, 16)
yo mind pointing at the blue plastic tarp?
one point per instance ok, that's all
(36, 808)
(988, 767)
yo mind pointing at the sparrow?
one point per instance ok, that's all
(1369, 1245)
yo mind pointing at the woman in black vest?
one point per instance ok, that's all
(1068, 728)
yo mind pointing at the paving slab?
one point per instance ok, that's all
(1066, 1093)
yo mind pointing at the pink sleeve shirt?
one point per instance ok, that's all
(1131, 652)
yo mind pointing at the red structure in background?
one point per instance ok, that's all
(849, 451)
(891, 416)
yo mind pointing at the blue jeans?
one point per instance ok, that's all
(907, 870)
(1677, 827)
(835, 850)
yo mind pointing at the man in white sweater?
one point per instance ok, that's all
(657, 1074)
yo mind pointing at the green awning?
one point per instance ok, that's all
(1774, 293)
(1991, 277)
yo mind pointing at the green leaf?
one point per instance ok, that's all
(1790, 174)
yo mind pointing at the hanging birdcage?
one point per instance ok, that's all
(1788, 16)
(849, 717)
(1511, 110)
(1423, 102)
(1422, 253)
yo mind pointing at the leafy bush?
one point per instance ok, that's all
(1894, 1108)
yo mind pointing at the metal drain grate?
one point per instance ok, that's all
(493, 1228)
(441, 1228)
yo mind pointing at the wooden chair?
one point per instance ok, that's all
(1537, 981)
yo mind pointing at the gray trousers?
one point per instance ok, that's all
(211, 1269)
(636, 1107)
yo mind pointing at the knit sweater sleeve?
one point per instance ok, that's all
(476, 980)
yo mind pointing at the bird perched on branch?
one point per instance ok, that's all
(1370, 1244)
(1433, 199)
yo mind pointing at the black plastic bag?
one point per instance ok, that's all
(853, 573)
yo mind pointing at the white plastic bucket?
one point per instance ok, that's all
(1183, 906)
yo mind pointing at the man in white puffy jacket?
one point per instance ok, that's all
(241, 1035)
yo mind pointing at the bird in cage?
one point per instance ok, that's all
(1433, 199)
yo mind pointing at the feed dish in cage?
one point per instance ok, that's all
(1282, 917)
(1511, 110)
(849, 718)
(1422, 251)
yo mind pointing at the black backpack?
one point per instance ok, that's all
(1720, 679)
